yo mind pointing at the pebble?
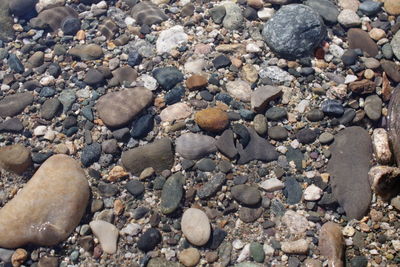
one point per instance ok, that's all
(326, 138)
(170, 39)
(292, 191)
(87, 52)
(292, 20)
(331, 243)
(157, 155)
(233, 19)
(212, 119)
(257, 252)
(130, 103)
(278, 133)
(15, 158)
(226, 145)
(195, 146)
(380, 143)
(358, 38)
(90, 154)
(147, 13)
(135, 187)
(211, 187)
(107, 234)
(196, 82)
(196, 226)
(175, 112)
(392, 7)
(149, 240)
(171, 194)
(13, 105)
(326, 9)
(272, 184)
(168, 77)
(59, 181)
(306, 136)
(296, 223)
(246, 195)
(261, 97)
(189, 257)
(348, 18)
(240, 90)
(299, 246)
(351, 155)
(383, 181)
(260, 124)
(373, 107)
(312, 193)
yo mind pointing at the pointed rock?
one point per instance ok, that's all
(107, 234)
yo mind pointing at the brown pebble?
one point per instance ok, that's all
(211, 256)
(20, 255)
(212, 119)
(196, 82)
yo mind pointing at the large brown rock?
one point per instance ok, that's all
(157, 155)
(394, 123)
(331, 244)
(348, 167)
(48, 208)
(358, 38)
(15, 158)
(12, 105)
(117, 109)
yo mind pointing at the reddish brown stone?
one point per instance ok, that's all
(362, 87)
(196, 81)
(331, 243)
(212, 119)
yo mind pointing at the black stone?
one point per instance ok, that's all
(135, 187)
(217, 237)
(306, 136)
(70, 26)
(243, 134)
(349, 57)
(292, 191)
(142, 126)
(332, 108)
(90, 154)
(15, 64)
(174, 95)
(134, 58)
(168, 77)
(149, 240)
(221, 61)
(13, 125)
(276, 113)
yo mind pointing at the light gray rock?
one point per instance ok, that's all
(195, 146)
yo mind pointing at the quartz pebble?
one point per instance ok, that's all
(196, 226)
(107, 235)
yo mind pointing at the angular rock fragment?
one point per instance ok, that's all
(380, 142)
(385, 181)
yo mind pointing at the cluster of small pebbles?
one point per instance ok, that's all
(168, 133)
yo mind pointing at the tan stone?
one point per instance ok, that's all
(189, 257)
(212, 119)
(15, 158)
(176, 111)
(331, 243)
(117, 173)
(48, 208)
(196, 226)
(392, 7)
(249, 73)
(380, 144)
(196, 82)
(19, 256)
(377, 34)
(257, 4)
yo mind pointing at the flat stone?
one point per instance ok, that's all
(15, 158)
(362, 87)
(240, 90)
(135, 187)
(196, 82)
(276, 74)
(276, 113)
(196, 226)
(48, 208)
(107, 234)
(325, 8)
(245, 194)
(373, 107)
(391, 69)
(117, 109)
(358, 38)
(293, 21)
(13, 105)
(278, 133)
(331, 243)
(13, 125)
(147, 13)
(293, 191)
(212, 119)
(306, 136)
(349, 18)
(272, 184)
(348, 167)
(171, 194)
(211, 187)
(249, 214)
(125, 75)
(195, 146)
(87, 52)
(168, 77)
(261, 97)
(258, 148)
(157, 155)
(175, 112)
(392, 7)
(50, 108)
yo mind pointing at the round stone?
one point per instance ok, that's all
(196, 226)
(277, 133)
(294, 31)
(245, 194)
(189, 257)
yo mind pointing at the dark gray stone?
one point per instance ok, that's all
(206, 165)
(172, 194)
(325, 8)
(257, 149)
(135, 187)
(292, 191)
(217, 14)
(168, 77)
(294, 31)
(226, 145)
(306, 136)
(149, 240)
(50, 108)
(12, 125)
(249, 215)
(348, 167)
(370, 7)
(245, 194)
(90, 154)
(212, 186)
(278, 133)
(15, 64)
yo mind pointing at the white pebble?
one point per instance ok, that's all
(312, 193)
